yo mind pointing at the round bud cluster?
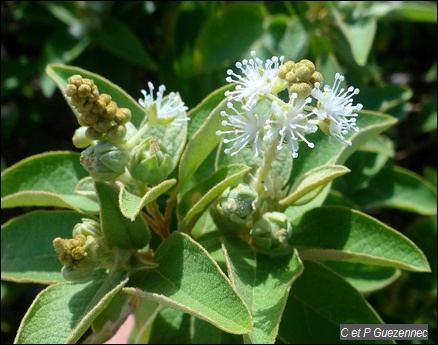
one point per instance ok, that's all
(300, 77)
(98, 112)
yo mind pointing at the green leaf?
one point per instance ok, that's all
(60, 74)
(118, 230)
(384, 98)
(176, 324)
(203, 141)
(416, 11)
(61, 47)
(47, 179)
(426, 119)
(359, 33)
(131, 204)
(109, 321)
(342, 234)
(370, 123)
(27, 245)
(239, 25)
(199, 114)
(194, 203)
(365, 164)
(424, 234)
(118, 38)
(182, 265)
(319, 301)
(182, 329)
(62, 313)
(310, 181)
(398, 188)
(365, 278)
(264, 283)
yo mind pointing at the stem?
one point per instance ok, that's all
(134, 140)
(263, 171)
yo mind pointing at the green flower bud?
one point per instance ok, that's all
(110, 110)
(81, 255)
(81, 139)
(303, 89)
(273, 230)
(92, 134)
(71, 90)
(305, 69)
(88, 119)
(84, 91)
(123, 116)
(102, 125)
(98, 106)
(116, 133)
(104, 161)
(76, 80)
(150, 162)
(88, 227)
(238, 203)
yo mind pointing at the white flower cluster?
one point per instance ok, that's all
(282, 122)
(163, 110)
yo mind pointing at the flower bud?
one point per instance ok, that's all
(116, 133)
(150, 162)
(88, 227)
(104, 161)
(238, 203)
(273, 230)
(81, 139)
(81, 255)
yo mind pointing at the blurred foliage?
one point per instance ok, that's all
(385, 48)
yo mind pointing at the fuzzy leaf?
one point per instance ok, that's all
(197, 200)
(182, 265)
(264, 283)
(319, 301)
(399, 188)
(312, 180)
(62, 313)
(342, 234)
(47, 179)
(131, 204)
(27, 245)
(119, 231)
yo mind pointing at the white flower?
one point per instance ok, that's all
(289, 123)
(256, 80)
(248, 128)
(170, 109)
(335, 108)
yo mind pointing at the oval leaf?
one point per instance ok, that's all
(27, 245)
(131, 204)
(47, 179)
(118, 230)
(264, 283)
(182, 265)
(197, 200)
(62, 313)
(311, 180)
(203, 141)
(365, 278)
(399, 188)
(338, 234)
(319, 302)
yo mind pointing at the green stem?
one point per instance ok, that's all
(137, 137)
(263, 171)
